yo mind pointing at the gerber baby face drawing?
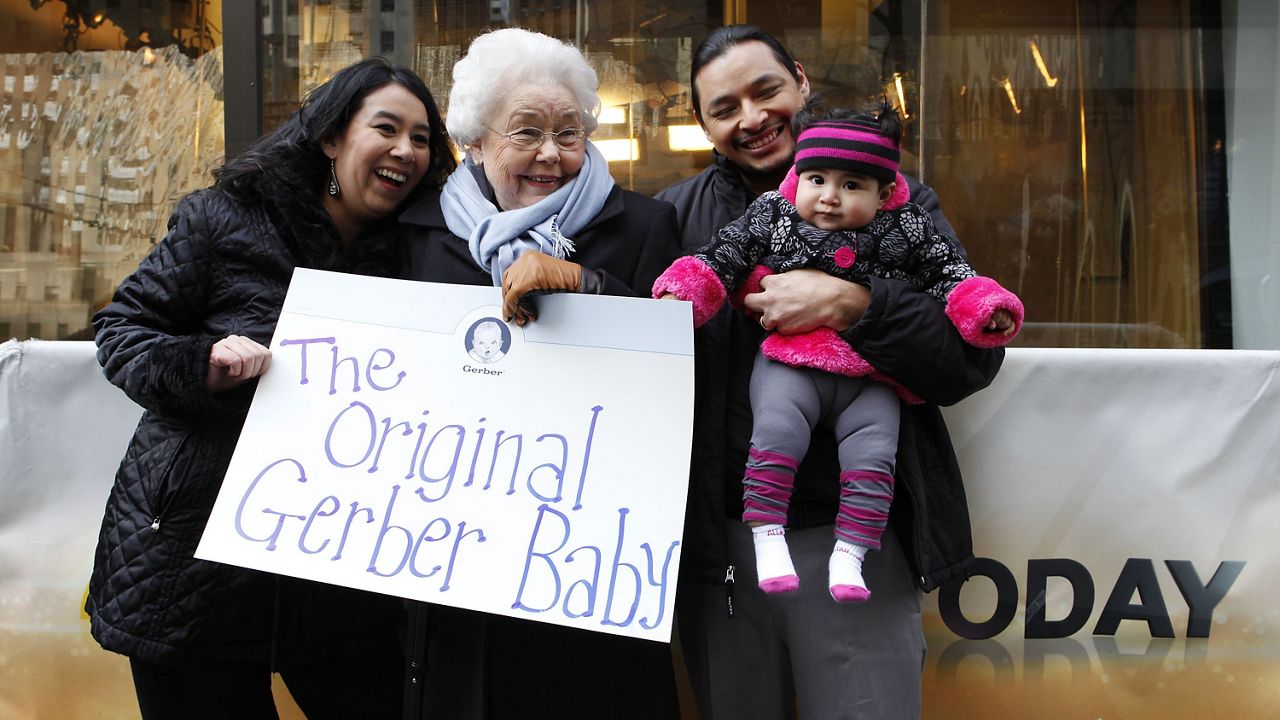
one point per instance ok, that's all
(488, 340)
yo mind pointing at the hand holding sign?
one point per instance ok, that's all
(535, 271)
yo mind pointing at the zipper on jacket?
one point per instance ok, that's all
(728, 591)
(168, 469)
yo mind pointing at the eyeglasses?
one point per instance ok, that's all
(530, 138)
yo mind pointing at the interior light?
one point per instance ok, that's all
(902, 96)
(1084, 147)
(619, 150)
(614, 115)
(1013, 99)
(687, 138)
(1049, 79)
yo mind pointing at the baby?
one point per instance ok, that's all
(842, 209)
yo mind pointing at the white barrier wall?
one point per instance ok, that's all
(1124, 502)
(63, 429)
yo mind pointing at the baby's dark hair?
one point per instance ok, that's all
(880, 114)
(876, 119)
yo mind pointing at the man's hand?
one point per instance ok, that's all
(535, 271)
(235, 360)
(800, 300)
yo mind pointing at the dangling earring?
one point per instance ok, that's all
(334, 190)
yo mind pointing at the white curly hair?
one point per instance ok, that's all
(501, 60)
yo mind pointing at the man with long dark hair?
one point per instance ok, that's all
(752, 655)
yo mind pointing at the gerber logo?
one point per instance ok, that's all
(487, 341)
(1138, 576)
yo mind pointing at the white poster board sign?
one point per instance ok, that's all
(407, 441)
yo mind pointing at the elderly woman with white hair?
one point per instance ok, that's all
(533, 209)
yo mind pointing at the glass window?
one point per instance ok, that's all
(111, 111)
(1113, 161)
(1083, 149)
(641, 50)
(1080, 149)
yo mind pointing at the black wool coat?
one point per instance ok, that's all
(222, 269)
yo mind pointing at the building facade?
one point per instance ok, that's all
(1112, 161)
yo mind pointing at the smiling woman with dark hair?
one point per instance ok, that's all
(185, 338)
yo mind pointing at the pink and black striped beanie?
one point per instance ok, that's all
(856, 146)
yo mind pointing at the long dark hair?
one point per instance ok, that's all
(290, 158)
(722, 40)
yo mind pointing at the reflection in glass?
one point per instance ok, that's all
(111, 112)
(1072, 146)
(1079, 147)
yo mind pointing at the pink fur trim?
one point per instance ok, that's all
(824, 349)
(821, 348)
(751, 284)
(691, 279)
(971, 304)
(901, 193)
(789, 184)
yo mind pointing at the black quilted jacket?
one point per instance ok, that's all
(222, 269)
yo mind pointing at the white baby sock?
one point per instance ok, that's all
(774, 570)
(845, 573)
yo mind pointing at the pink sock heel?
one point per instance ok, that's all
(780, 585)
(849, 593)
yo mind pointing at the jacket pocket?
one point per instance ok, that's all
(164, 487)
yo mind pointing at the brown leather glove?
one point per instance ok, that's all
(535, 272)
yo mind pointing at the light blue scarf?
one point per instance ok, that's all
(497, 237)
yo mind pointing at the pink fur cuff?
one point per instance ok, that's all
(691, 279)
(971, 304)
